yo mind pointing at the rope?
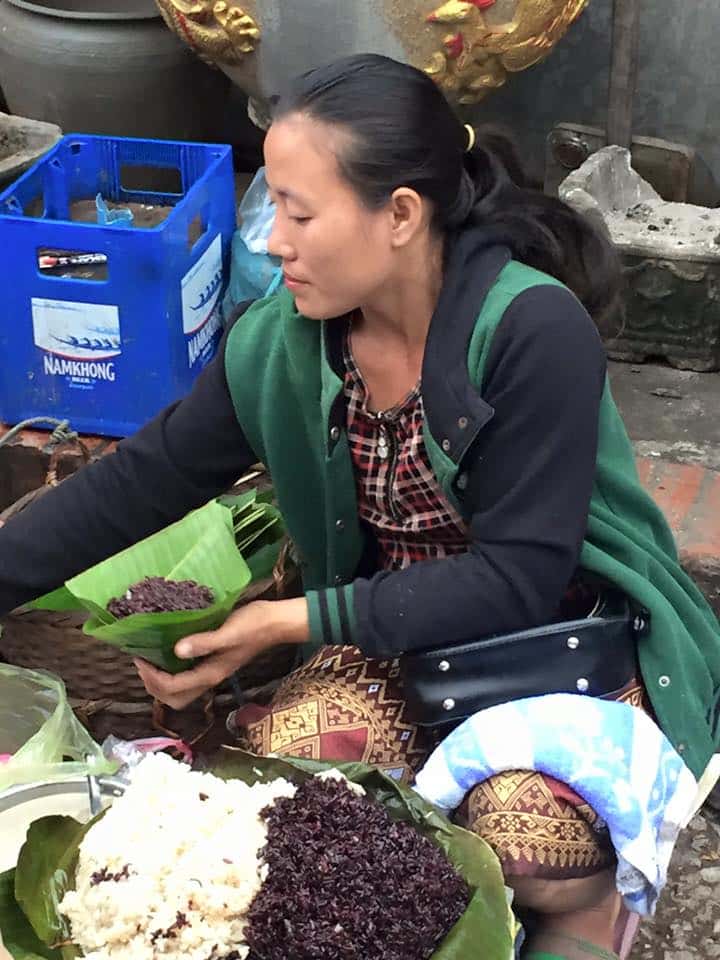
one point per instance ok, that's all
(61, 434)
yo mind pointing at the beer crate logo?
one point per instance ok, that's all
(201, 287)
(79, 340)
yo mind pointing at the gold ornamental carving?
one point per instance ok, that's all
(220, 32)
(482, 41)
(469, 47)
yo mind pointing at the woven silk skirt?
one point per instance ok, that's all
(339, 706)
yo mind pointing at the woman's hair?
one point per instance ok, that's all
(403, 133)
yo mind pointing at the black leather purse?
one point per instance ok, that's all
(595, 656)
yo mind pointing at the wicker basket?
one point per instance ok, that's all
(102, 683)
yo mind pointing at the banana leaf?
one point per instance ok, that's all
(259, 541)
(487, 929)
(60, 599)
(45, 872)
(254, 517)
(18, 937)
(247, 538)
(262, 560)
(199, 547)
(237, 502)
(258, 529)
(30, 895)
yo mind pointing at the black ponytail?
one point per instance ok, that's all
(541, 230)
(404, 133)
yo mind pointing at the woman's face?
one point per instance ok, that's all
(336, 254)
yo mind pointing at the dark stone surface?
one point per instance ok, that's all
(672, 414)
(670, 310)
(687, 923)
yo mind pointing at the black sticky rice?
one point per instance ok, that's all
(347, 882)
(158, 595)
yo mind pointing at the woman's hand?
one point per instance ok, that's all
(246, 633)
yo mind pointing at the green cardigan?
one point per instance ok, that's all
(283, 390)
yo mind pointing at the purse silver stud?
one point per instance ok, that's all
(573, 643)
(448, 704)
(444, 666)
(582, 685)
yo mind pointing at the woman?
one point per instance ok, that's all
(430, 398)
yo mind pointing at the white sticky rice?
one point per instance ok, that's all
(190, 843)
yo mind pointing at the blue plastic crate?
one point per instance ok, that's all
(109, 351)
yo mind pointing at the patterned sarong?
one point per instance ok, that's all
(341, 706)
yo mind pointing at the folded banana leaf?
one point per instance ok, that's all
(255, 519)
(487, 929)
(31, 924)
(199, 547)
(45, 872)
(260, 546)
(209, 546)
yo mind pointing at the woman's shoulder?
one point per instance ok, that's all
(256, 325)
(532, 318)
(516, 278)
(251, 314)
(251, 331)
(268, 338)
(530, 300)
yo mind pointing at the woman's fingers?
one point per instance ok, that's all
(178, 690)
(246, 633)
(223, 652)
(203, 644)
(243, 628)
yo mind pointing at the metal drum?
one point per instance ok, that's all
(468, 46)
(106, 67)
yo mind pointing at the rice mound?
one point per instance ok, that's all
(172, 867)
(159, 595)
(347, 882)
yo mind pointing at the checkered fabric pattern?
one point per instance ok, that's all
(398, 494)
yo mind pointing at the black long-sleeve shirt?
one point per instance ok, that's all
(530, 488)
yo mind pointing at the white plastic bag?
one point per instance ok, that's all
(254, 273)
(257, 213)
(40, 736)
(128, 753)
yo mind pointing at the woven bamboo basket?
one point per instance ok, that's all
(102, 683)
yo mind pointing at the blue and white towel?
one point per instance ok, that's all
(611, 754)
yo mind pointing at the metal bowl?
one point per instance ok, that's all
(79, 797)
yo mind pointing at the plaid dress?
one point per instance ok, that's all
(398, 495)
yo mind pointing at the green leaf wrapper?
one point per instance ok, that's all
(18, 936)
(45, 872)
(487, 929)
(206, 546)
